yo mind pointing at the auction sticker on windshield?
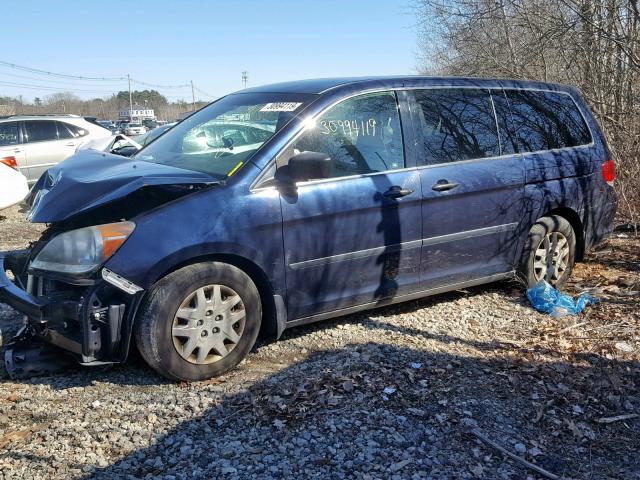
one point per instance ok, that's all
(280, 107)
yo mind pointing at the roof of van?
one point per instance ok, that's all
(323, 85)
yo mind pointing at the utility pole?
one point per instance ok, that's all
(130, 100)
(193, 97)
(245, 77)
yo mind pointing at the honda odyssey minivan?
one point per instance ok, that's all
(296, 202)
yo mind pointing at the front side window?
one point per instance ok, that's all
(546, 120)
(9, 134)
(222, 137)
(361, 135)
(40, 130)
(456, 124)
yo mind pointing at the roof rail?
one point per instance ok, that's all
(44, 115)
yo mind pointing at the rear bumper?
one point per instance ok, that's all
(600, 219)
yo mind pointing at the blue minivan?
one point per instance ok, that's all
(291, 203)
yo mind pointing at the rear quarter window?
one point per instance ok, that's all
(74, 129)
(543, 120)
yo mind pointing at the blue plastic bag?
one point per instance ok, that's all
(547, 299)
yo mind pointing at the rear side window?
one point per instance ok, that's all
(361, 135)
(75, 130)
(457, 124)
(40, 130)
(545, 121)
(9, 134)
(63, 131)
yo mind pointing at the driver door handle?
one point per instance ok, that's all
(397, 191)
(443, 185)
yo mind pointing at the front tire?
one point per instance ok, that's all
(199, 322)
(549, 253)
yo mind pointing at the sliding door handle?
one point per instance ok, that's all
(444, 185)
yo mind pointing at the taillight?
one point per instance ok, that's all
(608, 171)
(10, 162)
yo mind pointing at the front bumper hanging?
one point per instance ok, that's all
(16, 297)
(92, 319)
(28, 356)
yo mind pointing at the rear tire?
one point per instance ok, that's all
(549, 252)
(199, 322)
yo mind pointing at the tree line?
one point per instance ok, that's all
(104, 108)
(592, 44)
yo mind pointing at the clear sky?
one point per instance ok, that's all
(210, 42)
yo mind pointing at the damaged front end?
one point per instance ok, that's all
(68, 298)
(90, 318)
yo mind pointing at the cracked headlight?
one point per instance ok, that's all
(83, 250)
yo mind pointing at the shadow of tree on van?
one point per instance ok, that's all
(381, 410)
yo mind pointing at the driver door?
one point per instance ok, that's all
(353, 238)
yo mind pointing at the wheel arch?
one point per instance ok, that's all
(574, 219)
(269, 327)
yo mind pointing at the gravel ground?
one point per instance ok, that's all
(392, 393)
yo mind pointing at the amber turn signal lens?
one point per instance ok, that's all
(113, 235)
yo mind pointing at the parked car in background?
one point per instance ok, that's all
(108, 124)
(119, 144)
(124, 146)
(129, 148)
(149, 124)
(13, 184)
(38, 142)
(134, 129)
(292, 203)
(120, 126)
(151, 135)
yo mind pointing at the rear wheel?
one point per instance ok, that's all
(199, 321)
(549, 253)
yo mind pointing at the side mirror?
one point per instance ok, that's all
(304, 166)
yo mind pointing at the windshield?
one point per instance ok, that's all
(223, 136)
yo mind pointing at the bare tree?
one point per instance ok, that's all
(593, 44)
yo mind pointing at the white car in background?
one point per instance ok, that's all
(37, 142)
(13, 185)
(135, 129)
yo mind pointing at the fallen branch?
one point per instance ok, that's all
(521, 460)
(617, 418)
(572, 327)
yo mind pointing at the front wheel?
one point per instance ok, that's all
(549, 253)
(198, 322)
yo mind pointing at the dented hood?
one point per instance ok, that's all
(90, 179)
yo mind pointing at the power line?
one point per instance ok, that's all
(204, 93)
(50, 80)
(57, 85)
(49, 88)
(84, 77)
(59, 75)
(153, 85)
